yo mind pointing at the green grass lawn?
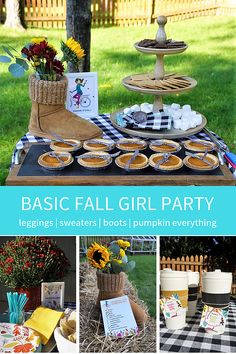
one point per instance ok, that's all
(144, 278)
(209, 59)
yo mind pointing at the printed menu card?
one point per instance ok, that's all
(118, 318)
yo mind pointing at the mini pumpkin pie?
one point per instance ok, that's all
(55, 160)
(95, 160)
(98, 145)
(170, 162)
(131, 144)
(199, 145)
(66, 145)
(165, 146)
(131, 161)
(196, 162)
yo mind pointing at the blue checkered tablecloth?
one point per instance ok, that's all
(193, 339)
(109, 132)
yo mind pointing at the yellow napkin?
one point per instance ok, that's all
(44, 321)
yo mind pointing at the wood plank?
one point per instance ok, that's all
(226, 179)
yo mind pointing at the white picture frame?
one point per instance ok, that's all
(52, 295)
(82, 94)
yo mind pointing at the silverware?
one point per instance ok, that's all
(204, 143)
(218, 143)
(130, 142)
(53, 154)
(165, 158)
(220, 157)
(159, 143)
(59, 138)
(96, 141)
(200, 158)
(135, 154)
(92, 156)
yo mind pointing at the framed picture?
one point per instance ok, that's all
(52, 295)
(82, 94)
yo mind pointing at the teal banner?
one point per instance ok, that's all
(118, 210)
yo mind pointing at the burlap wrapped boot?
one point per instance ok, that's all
(48, 113)
(111, 286)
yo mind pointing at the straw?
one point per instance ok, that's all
(16, 303)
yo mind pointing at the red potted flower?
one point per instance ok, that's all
(28, 261)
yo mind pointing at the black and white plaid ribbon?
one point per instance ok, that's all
(155, 121)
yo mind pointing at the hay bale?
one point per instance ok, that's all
(92, 336)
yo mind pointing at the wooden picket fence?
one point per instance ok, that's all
(193, 263)
(52, 13)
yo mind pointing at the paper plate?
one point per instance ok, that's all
(18, 339)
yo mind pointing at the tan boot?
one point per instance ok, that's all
(111, 286)
(48, 113)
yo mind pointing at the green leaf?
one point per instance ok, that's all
(125, 259)
(4, 59)
(129, 266)
(115, 249)
(16, 70)
(22, 63)
(116, 267)
(7, 51)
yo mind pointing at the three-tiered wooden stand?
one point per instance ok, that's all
(159, 74)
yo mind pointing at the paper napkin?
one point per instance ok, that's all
(44, 320)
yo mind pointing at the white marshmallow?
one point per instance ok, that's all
(193, 124)
(186, 107)
(151, 107)
(127, 111)
(146, 109)
(177, 124)
(135, 108)
(184, 126)
(176, 115)
(175, 106)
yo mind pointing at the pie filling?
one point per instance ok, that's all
(97, 145)
(93, 160)
(53, 160)
(131, 146)
(172, 161)
(200, 163)
(63, 145)
(137, 161)
(164, 147)
(198, 145)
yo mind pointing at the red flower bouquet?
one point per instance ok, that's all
(42, 57)
(28, 261)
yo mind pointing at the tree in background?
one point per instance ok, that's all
(78, 26)
(221, 251)
(14, 14)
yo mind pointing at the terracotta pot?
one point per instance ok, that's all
(34, 296)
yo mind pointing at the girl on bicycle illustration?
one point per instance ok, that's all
(79, 84)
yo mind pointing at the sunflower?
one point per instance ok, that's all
(123, 244)
(75, 47)
(98, 256)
